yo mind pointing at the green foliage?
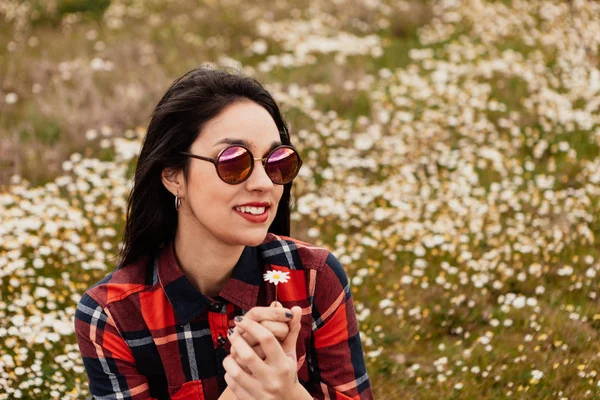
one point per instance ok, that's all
(96, 8)
(44, 12)
(44, 130)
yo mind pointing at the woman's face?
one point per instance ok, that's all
(216, 210)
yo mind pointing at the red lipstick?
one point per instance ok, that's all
(256, 218)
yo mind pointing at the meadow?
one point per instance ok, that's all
(451, 163)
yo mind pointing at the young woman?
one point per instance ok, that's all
(187, 314)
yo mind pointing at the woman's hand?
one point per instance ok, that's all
(275, 318)
(250, 376)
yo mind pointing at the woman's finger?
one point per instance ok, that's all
(275, 318)
(234, 354)
(269, 343)
(260, 314)
(248, 338)
(289, 343)
(256, 347)
(238, 380)
(259, 352)
(279, 329)
(245, 355)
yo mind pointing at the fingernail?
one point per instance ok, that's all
(230, 332)
(238, 318)
(289, 314)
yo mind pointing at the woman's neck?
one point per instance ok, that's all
(207, 263)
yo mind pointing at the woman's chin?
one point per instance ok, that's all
(250, 239)
(256, 241)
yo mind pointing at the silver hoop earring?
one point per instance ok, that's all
(177, 201)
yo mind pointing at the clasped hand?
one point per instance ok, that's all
(262, 361)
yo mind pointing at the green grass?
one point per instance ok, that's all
(431, 178)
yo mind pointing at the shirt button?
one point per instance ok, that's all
(216, 307)
(221, 340)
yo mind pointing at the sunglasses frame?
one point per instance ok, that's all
(263, 160)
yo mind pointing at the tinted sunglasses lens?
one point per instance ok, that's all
(234, 164)
(283, 165)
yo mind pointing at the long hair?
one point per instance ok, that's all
(178, 119)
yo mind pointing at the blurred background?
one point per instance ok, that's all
(451, 163)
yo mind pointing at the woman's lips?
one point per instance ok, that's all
(255, 218)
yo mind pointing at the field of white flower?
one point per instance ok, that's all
(452, 164)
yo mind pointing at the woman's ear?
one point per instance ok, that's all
(173, 181)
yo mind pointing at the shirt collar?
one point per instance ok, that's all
(188, 302)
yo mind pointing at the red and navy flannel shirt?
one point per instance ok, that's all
(145, 331)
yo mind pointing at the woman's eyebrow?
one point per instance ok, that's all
(232, 141)
(244, 142)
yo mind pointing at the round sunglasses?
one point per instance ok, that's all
(235, 163)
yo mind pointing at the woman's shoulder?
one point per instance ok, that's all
(122, 282)
(297, 254)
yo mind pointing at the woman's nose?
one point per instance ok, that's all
(259, 180)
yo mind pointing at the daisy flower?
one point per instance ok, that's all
(276, 277)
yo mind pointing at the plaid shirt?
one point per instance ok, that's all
(145, 331)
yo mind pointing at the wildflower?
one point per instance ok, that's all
(276, 277)
(11, 98)
(536, 375)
